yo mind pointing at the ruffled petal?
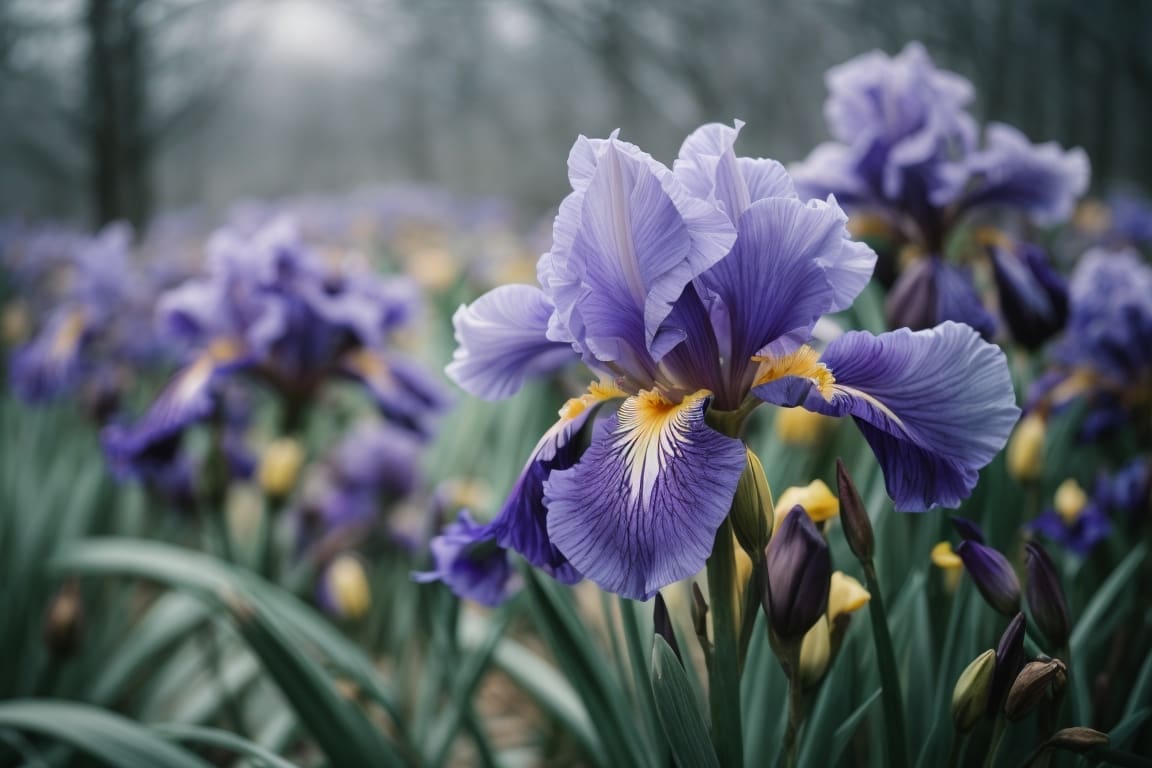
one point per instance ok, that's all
(626, 242)
(502, 339)
(773, 283)
(641, 507)
(935, 406)
(522, 523)
(708, 167)
(1041, 179)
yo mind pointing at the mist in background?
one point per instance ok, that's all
(122, 109)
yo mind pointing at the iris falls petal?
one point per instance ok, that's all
(641, 507)
(934, 405)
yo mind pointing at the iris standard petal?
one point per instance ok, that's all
(641, 508)
(626, 242)
(502, 339)
(934, 405)
(772, 283)
(708, 167)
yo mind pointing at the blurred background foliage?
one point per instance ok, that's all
(115, 109)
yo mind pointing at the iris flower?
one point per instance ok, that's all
(691, 295)
(907, 152)
(270, 309)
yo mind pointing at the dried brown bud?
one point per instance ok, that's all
(1077, 739)
(1032, 685)
(64, 624)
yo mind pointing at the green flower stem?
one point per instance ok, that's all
(795, 713)
(959, 740)
(889, 676)
(997, 738)
(724, 671)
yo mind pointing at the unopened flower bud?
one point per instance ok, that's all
(967, 529)
(993, 576)
(815, 653)
(700, 616)
(1045, 596)
(347, 587)
(853, 516)
(1025, 455)
(798, 573)
(800, 427)
(280, 465)
(64, 624)
(1034, 682)
(845, 595)
(1078, 739)
(970, 696)
(1069, 501)
(949, 562)
(816, 498)
(1009, 660)
(752, 508)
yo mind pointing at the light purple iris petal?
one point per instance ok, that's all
(772, 283)
(709, 169)
(829, 169)
(1011, 171)
(405, 391)
(641, 508)
(626, 242)
(502, 339)
(935, 406)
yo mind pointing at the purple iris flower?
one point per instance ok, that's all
(1105, 353)
(93, 326)
(470, 563)
(272, 309)
(692, 295)
(906, 149)
(369, 471)
(1081, 535)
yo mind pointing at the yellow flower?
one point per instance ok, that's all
(948, 561)
(348, 587)
(816, 498)
(845, 595)
(280, 466)
(801, 427)
(1026, 448)
(1070, 501)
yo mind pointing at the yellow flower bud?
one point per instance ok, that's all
(970, 696)
(949, 562)
(816, 498)
(280, 466)
(348, 587)
(800, 427)
(845, 595)
(815, 652)
(1026, 448)
(15, 326)
(1070, 501)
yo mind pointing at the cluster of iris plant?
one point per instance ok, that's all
(692, 295)
(274, 322)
